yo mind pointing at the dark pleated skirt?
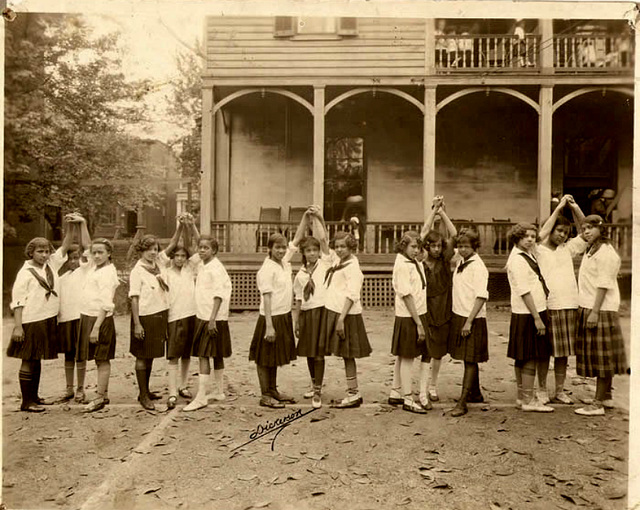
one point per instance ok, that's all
(180, 337)
(438, 340)
(105, 349)
(475, 347)
(277, 353)
(524, 342)
(206, 345)
(311, 343)
(40, 341)
(155, 336)
(68, 334)
(562, 332)
(404, 342)
(600, 350)
(355, 343)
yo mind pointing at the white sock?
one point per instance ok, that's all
(173, 379)
(395, 385)
(203, 380)
(424, 377)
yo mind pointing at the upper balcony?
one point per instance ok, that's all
(245, 50)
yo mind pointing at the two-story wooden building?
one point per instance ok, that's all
(496, 115)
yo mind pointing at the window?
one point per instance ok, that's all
(309, 27)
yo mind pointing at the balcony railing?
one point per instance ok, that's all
(592, 53)
(244, 237)
(491, 52)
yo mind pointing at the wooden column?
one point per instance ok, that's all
(429, 149)
(545, 29)
(545, 134)
(429, 46)
(318, 146)
(207, 162)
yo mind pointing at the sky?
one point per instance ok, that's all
(151, 43)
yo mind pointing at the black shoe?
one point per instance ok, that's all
(476, 399)
(153, 395)
(460, 409)
(32, 407)
(42, 402)
(282, 397)
(146, 403)
(394, 401)
(271, 402)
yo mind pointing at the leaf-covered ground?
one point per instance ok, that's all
(377, 456)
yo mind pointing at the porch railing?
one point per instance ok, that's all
(590, 53)
(473, 52)
(380, 237)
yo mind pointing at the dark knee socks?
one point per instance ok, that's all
(318, 374)
(263, 379)
(311, 364)
(218, 363)
(25, 376)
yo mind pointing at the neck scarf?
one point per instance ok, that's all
(417, 265)
(329, 276)
(463, 265)
(533, 264)
(45, 284)
(155, 271)
(310, 287)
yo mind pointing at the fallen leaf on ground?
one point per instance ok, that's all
(317, 456)
(317, 492)
(616, 493)
(155, 488)
(569, 498)
(503, 471)
(440, 485)
(246, 477)
(405, 501)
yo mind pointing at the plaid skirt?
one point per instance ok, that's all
(600, 350)
(206, 345)
(279, 352)
(68, 335)
(40, 341)
(404, 342)
(475, 347)
(310, 340)
(562, 332)
(524, 342)
(105, 349)
(355, 343)
(155, 336)
(180, 337)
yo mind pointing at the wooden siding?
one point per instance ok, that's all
(246, 47)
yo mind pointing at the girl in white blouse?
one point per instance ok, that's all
(181, 274)
(35, 304)
(410, 325)
(212, 338)
(149, 293)
(528, 340)
(344, 331)
(469, 335)
(309, 311)
(273, 343)
(97, 337)
(600, 348)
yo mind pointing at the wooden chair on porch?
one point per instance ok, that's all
(500, 235)
(269, 223)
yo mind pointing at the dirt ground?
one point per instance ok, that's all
(495, 457)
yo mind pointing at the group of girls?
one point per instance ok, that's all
(555, 316)
(63, 302)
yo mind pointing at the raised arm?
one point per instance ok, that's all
(451, 228)
(174, 240)
(576, 212)
(428, 223)
(546, 229)
(304, 222)
(195, 235)
(68, 234)
(319, 229)
(85, 238)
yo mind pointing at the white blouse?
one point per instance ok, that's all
(99, 290)
(318, 297)
(71, 284)
(145, 285)
(182, 287)
(29, 295)
(471, 283)
(409, 280)
(212, 282)
(600, 270)
(345, 283)
(275, 279)
(523, 280)
(559, 273)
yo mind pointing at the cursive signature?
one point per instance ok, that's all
(277, 426)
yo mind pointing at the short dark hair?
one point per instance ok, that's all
(213, 242)
(145, 243)
(519, 230)
(178, 248)
(405, 240)
(349, 239)
(562, 221)
(433, 236)
(470, 235)
(37, 242)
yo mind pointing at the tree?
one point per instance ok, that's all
(67, 103)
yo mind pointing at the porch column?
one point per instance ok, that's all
(429, 149)
(207, 161)
(546, 45)
(545, 132)
(318, 146)
(429, 46)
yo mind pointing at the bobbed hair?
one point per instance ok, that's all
(274, 239)
(349, 240)
(562, 221)
(37, 242)
(308, 242)
(213, 242)
(433, 236)
(178, 248)
(470, 235)
(106, 243)
(406, 240)
(519, 231)
(145, 243)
